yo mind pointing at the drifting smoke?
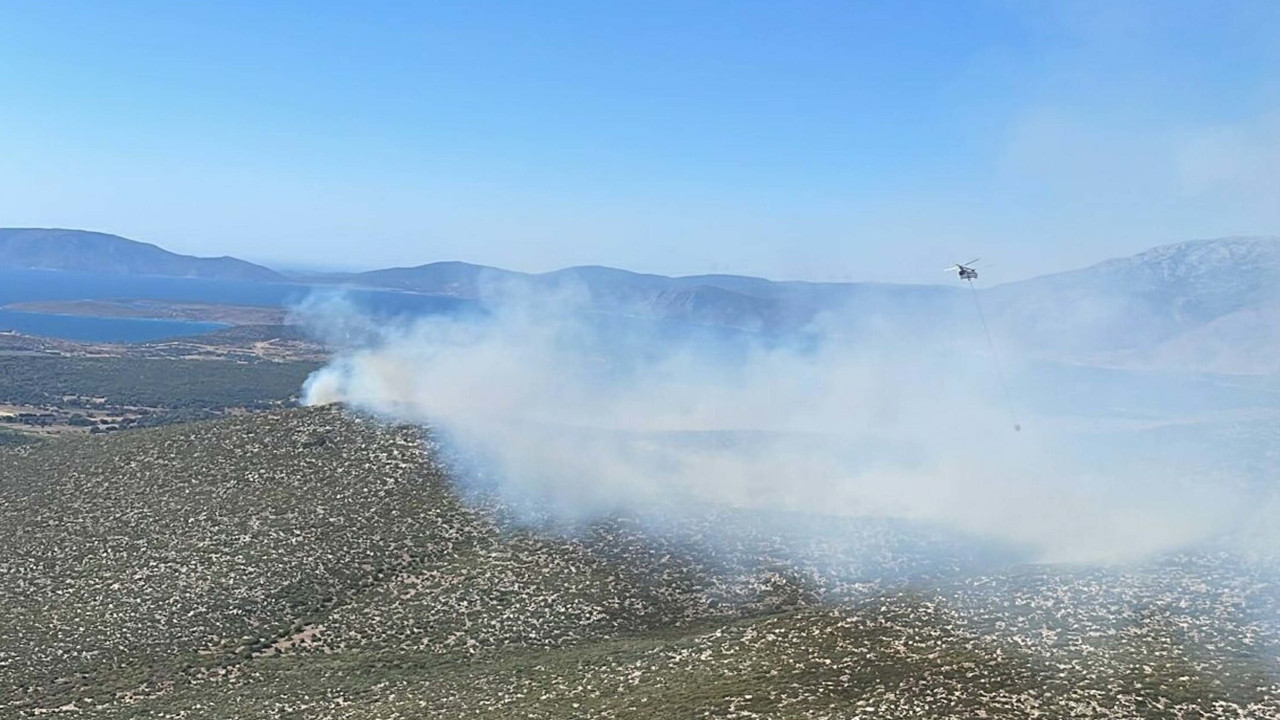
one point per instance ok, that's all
(594, 414)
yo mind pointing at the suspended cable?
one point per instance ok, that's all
(995, 358)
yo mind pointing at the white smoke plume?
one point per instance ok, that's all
(594, 414)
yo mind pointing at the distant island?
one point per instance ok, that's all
(103, 253)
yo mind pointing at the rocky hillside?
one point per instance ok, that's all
(305, 563)
(1201, 305)
(94, 252)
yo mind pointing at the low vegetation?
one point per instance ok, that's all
(10, 438)
(139, 382)
(305, 563)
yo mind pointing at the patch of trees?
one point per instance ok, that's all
(9, 438)
(30, 418)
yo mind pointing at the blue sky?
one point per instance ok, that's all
(813, 140)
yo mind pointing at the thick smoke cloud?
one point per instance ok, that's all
(592, 414)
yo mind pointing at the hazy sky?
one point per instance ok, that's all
(815, 140)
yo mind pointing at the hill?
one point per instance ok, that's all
(305, 563)
(456, 279)
(1199, 305)
(1205, 305)
(94, 252)
(730, 301)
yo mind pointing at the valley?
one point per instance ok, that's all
(616, 361)
(53, 387)
(185, 541)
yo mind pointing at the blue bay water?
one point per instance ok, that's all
(31, 285)
(101, 329)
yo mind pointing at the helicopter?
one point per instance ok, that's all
(968, 273)
(965, 269)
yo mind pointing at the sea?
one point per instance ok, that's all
(31, 285)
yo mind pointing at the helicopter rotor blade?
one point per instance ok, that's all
(973, 261)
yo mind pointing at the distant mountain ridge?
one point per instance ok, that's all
(1201, 304)
(94, 252)
(1196, 305)
(736, 301)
